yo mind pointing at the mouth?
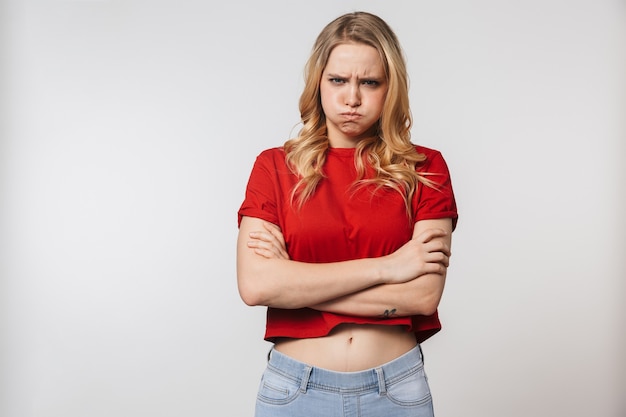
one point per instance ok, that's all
(351, 115)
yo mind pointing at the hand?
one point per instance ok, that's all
(426, 253)
(269, 243)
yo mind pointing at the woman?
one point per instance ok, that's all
(345, 234)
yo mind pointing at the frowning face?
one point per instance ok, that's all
(353, 90)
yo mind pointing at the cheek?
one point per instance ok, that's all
(326, 99)
(380, 102)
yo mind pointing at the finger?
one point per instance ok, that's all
(267, 250)
(258, 244)
(267, 243)
(435, 268)
(271, 232)
(258, 235)
(430, 234)
(259, 249)
(266, 254)
(275, 231)
(277, 238)
(264, 236)
(437, 246)
(439, 258)
(274, 236)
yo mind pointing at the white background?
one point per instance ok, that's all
(128, 132)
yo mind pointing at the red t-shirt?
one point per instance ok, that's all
(341, 222)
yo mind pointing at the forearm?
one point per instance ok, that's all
(275, 280)
(289, 284)
(420, 296)
(266, 275)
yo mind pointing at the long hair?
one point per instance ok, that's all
(390, 153)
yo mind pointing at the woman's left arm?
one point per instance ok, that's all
(419, 296)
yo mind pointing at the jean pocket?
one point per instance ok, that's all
(411, 390)
(277, 389)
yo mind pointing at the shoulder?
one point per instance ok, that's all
(271, 156)
(272, 152)
(434, 159)
(429, 152)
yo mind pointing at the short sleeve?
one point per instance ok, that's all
(436, 199)
(261, 194)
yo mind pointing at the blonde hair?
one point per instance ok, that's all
(391, 153)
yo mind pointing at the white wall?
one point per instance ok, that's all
(129, 129)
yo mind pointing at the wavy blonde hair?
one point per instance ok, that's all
(390, 153)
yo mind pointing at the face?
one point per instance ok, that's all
(352, 89)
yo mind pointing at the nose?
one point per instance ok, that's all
(353, 98)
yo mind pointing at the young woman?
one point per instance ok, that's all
(345, 234)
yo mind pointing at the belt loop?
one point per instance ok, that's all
(421, 353)
(382, 388)
(305, 379)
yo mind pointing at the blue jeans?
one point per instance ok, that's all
(290, 388)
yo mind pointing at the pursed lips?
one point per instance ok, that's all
(351, 115)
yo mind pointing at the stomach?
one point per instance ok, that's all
(350, 347)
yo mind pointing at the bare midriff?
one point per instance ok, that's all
(350, 347)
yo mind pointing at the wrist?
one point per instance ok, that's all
(382, 274)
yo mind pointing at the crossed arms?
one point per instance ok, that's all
(409, 281)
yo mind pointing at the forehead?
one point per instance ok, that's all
(355, 58)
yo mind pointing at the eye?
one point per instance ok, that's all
(335, 80)
(371, 83)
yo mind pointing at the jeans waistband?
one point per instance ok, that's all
(377, 378)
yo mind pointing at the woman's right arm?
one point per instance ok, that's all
(283, 283)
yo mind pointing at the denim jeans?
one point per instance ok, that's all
(290, 388)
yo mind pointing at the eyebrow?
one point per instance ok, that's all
(373, 78)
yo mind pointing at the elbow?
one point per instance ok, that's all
(249, 298)
(430, 303)
(255, 296)
(249, 289)
(423, 306)
(250, 294)
(431, 296)
(255, 289)
(424, 301)
(429, 308)
(258, 286)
